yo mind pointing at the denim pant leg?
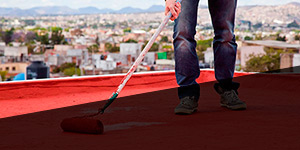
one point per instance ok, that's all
(186, 59)
(224, 45)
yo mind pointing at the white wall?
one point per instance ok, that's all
(247, 50)
(15, 51)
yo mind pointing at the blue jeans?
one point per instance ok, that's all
(186, 61)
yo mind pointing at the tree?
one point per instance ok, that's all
(71, 71)
(18, 37)
(113, 49)
(127, 30)
(57, 37)
(30, 37)
(264, 62)
(164, 39)
(66, 65)
(44, 39)
(248, 38)
(93, 48)
(131, 41)
(3, 75)
(7, 36)
(280, 38)
(55, 29)
(107, 46)
(202, 46)
(154, 47)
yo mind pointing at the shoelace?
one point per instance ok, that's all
(233, 95)
(185, 101)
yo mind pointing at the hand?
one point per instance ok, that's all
(173, 7)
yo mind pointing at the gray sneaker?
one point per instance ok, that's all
(187, 106)
(230, 99)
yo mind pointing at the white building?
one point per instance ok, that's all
(15, 51)
(209, 56)
(150, 58)
(246, 51)
(108, 64)
(133, 49)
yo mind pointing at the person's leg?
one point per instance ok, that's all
(186, 60)
(224, 45)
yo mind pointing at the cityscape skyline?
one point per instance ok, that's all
(117, 4)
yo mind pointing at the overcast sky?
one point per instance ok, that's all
(117, 4)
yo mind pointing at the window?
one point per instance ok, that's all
(0, 69)
(6, 68)
(13, 68)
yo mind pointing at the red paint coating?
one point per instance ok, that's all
(146, 121)
(27, 97)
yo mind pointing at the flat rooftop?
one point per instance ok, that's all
(142, 117)
(272, 43)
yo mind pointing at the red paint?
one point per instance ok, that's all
(146, 121)
(26, 97)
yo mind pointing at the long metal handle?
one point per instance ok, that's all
(138, 61)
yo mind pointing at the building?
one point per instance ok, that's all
(274, 44)
(14, 68)
(108, 64)
(16, 53)
(132, 49)
(290, 61)
(209, 56)
(62, 47)
(246, 51)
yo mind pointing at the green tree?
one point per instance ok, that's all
(55, 29)
(248, 38)
(30, 48)
(93, 48)
(57, 37)
(264, 62)
(3, 75)
(127, 30)
(164, 39)
(44, 39)
(66, 65)
(280, 38)
(113, 49)
(131, 41)
(108, 46)
(71, 71)
(154, 47)
(202, 46)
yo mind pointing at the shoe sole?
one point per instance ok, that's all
(185, 111)
(235, 107)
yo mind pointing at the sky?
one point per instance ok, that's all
(117, 4)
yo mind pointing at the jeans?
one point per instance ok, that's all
(186, 61)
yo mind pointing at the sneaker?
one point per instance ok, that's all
(187, 106)
(230, 98)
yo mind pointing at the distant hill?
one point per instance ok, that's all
(64, 10)
(94, 10)
(291, 10)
